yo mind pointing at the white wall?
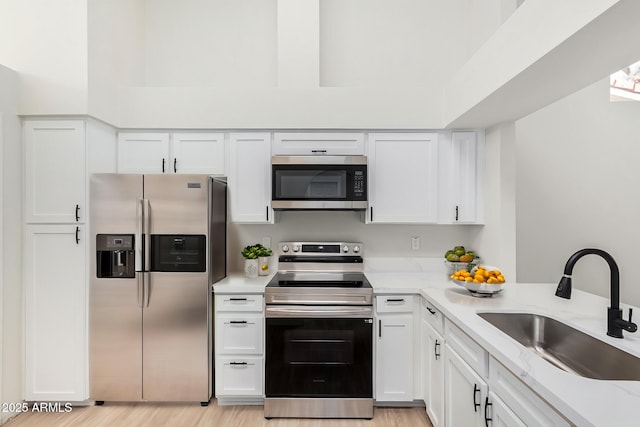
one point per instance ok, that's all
(577, 168)
(115, 42)
(48, 48)
(11, 315)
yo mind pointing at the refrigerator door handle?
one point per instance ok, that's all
(139, 247)
(146, 230)
(146, 282)
(140, 283)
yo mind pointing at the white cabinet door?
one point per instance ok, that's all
(394, 358)
(320, 143)
(55, 171)
(498, 413)
(403, 177)
(143, 152)
(434, 374)
(249, 176)
(465, 392)
(197, 153)
(55, 313)
(464, 177)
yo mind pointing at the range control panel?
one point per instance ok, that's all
(321, 248)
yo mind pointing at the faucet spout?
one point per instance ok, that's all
(615, 323)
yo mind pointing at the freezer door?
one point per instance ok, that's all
(115, 313)
(178, 203)
(176, 338)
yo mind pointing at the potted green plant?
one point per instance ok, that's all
(256, 260)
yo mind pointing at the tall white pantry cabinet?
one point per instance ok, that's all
(54, 260)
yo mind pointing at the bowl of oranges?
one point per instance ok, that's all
(481, 281)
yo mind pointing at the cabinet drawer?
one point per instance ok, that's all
(394, 303)
(240, 302)
(239, 376)
(433, 316)
(241, 334)
(530, 408)
(476, 356)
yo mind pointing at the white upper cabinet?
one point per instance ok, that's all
(143, 152)
(171, 153)
(310, 143)
(249, 174)
(403, 177)
(461, 184)
(197, 153)
(55, 171)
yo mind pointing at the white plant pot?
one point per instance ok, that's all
(251, 267)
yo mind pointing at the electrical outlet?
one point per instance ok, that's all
(415, 243)
(266, 242)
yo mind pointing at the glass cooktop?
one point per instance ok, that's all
(319, 279)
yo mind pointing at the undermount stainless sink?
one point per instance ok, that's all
(567, 348)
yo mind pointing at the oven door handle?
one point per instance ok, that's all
(291, 311)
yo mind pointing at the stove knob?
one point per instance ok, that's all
(345, 249)
(296, 248)
(356, 249)
(285, 248)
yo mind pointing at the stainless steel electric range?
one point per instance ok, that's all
(319, 333)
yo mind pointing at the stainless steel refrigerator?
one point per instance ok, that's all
(158, 243)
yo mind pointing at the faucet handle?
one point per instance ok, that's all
(632, 327)
(630, 314)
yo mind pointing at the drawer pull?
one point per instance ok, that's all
(395, 299)
(237, 299)
(238, 363)
(431, 311)
(238, 322)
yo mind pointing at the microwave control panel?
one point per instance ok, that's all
(358, 183)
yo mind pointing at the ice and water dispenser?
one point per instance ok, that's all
(115, 256)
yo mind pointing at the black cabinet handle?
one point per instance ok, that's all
(476, 405)
(237, 299)
(379, 328)
(77, 235)
(431, 311)
(456, 212)
(318, 151)
(163, 161)
(77, 213)
(175, 165)
(395, 299)
(267, 209)
(486, 415)
(371, 215)
(435, 349)
(238, 363)
(238, 322)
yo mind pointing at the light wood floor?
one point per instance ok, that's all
(188, 415)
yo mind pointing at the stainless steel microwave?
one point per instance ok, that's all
(319, 182)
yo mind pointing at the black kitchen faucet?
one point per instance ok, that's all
(615, 322)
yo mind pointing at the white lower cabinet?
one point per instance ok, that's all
(433, 376)
(521, 400)
(465, 392)
(239, 347)
(394, 348)
(55, 313)
(498, 413)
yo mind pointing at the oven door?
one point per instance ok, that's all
(319, 352)
(311, 182)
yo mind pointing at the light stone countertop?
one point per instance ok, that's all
(583, 401)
